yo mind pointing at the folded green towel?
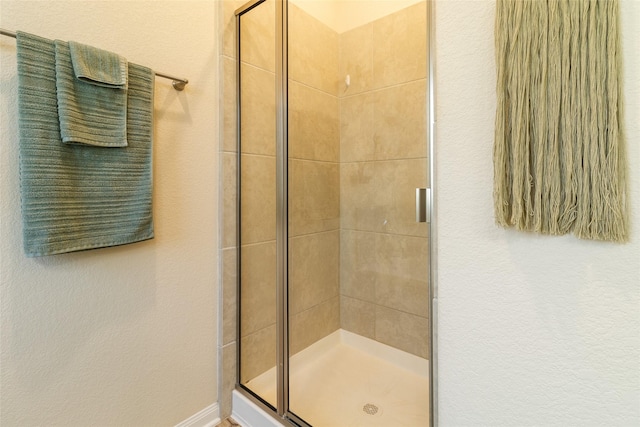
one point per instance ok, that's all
(89, 113)
(97, 66)
(75, 196)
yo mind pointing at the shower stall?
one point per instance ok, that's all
(333, 211)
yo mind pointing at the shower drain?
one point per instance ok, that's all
(370, 409)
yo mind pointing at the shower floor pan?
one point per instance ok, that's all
(345, 380)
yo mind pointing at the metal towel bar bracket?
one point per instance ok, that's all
(178, 84)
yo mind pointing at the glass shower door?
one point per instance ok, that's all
(257, 201)
(333, 142)
(358, 275)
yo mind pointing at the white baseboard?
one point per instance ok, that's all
(208, 417)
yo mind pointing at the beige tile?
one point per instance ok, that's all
(358, 316)
(361, 204)
(359, 265)
(385, 269)
(313, 52)
(356, 59)
(229, 114)
(314, 197)
(229, 27)
(257, 287)
(229, 295)
(258, 111)
(258, 36)
(229, 199)
(404, 331)
(314, 269)
(313, 324)
(380, 196)
(400, 121)
(257, 353)
(403, 282)
(314, 124)
(356, 128)
(400, 47)
(258, 199)
(229, 372)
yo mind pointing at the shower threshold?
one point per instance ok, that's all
(348, 380)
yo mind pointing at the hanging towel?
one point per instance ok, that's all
(92, 95)
(76, 196)
(559, 152)
(97, 66)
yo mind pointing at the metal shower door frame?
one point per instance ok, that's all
(282, 410)
(282, 362)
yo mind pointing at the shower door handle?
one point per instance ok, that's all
(423, 205)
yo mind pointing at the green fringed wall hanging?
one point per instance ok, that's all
(559, 153)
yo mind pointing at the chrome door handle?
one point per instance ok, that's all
(423, 205)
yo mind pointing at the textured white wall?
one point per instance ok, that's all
(534, 330)
(127, 335)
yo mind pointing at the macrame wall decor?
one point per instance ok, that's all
(559, 153)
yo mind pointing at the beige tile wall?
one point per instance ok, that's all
(313, 52)
(314, 180)
(400, 50)
(314, 122)
(383, 148)
(314, 196)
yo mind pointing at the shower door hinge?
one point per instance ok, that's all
(423, 205)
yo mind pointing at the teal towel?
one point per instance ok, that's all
(89, 113)
(97, 66)
(74, 196)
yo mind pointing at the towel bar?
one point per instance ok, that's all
(178, 84)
